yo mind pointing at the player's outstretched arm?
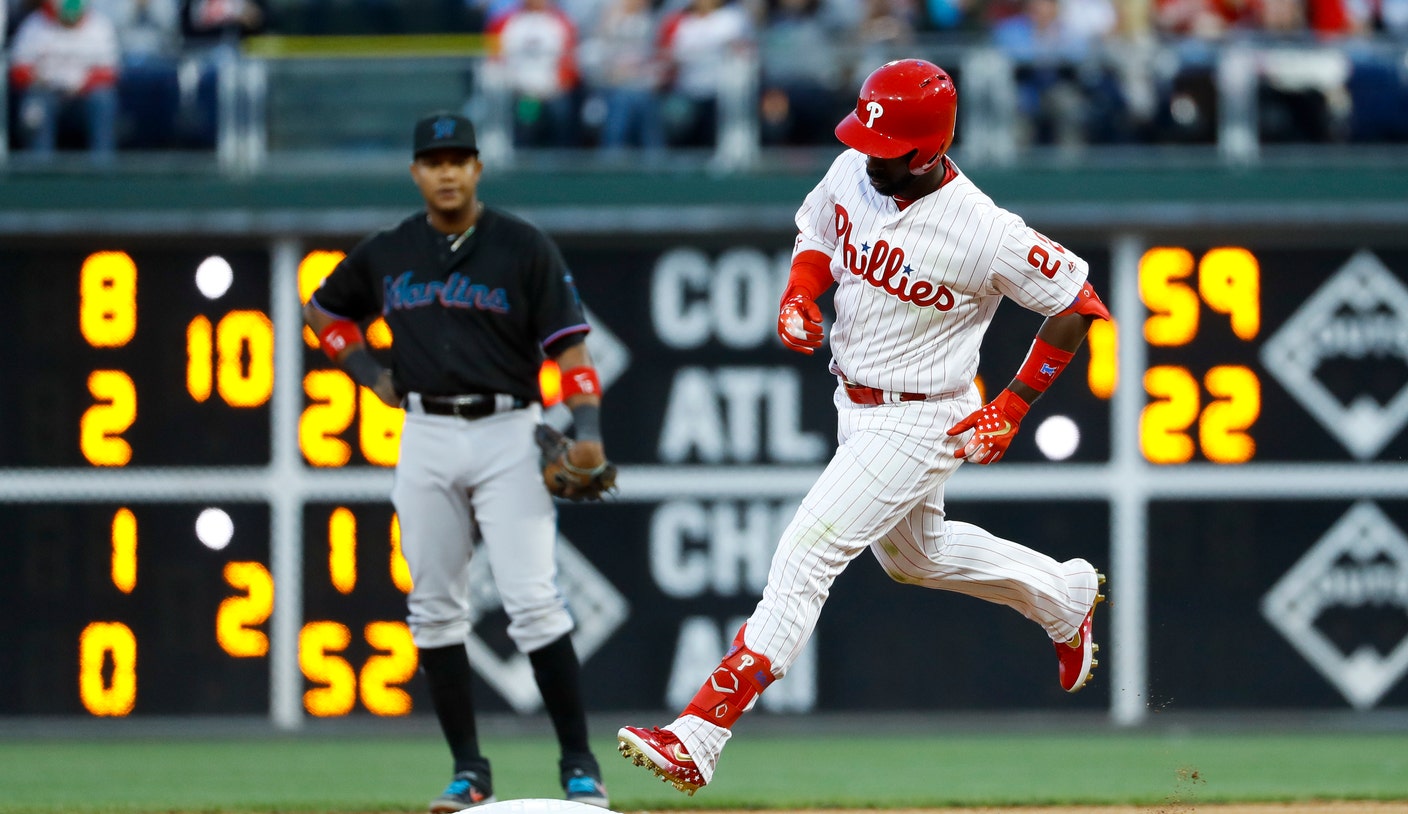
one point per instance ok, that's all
(996, 423)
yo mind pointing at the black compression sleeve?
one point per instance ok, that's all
(586, 422)
(362, 367)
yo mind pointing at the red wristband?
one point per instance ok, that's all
(339, 336)
(580, 380)
(1044, 363)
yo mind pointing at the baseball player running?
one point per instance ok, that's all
(920, 259)
(474, 297)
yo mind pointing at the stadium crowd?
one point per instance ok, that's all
(109, 75)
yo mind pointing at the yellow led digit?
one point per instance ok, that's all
(1222, 430)
(124, 550)
(334, 406)
(113, 411)
(107, 299)
(200, 356)
(383, 672)
(342, 550)
(1104, 358)
(1174, 304)
(379, 334)
(244, 343)
(1230, 281)
(237, 619)
(107, 648)
(338, 691)
(312, 269)
(400, 569)
(1164, 422)
(380, 434)
(550, 383)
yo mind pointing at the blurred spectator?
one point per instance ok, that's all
(146, 29)
(623, 65)
(1301, 95)
(1066, 94)
(63, 65)
(1206, 19)
(801, 97)
(697, 41)
(586, 14)
(1088, 22)
(535, 55)
(222, 22)
(148, 87)
(1391, 17)
(950, 15)
(885, 32)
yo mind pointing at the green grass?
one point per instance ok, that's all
(367, 774)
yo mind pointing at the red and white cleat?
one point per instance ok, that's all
(1075, 658)
(662, 753)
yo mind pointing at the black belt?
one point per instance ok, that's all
(475, 405)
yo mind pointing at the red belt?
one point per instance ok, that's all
(860, 394)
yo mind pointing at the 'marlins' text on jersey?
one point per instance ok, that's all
(471, 315)
(456, 291)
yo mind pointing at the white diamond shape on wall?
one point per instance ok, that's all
(598, 608)
(1319, 330)
(1362, 560)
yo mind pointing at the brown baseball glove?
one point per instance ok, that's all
(564, 480)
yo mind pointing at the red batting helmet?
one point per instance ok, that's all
(905, 105)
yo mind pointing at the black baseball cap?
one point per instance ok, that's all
(444, 131)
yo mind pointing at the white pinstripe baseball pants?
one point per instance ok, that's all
(884, 489)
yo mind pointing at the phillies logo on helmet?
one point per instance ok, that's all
(876, 110)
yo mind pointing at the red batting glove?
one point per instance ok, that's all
(799, 324)
(995, 426)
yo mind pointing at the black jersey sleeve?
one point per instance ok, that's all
(350, 291)
(558, 314)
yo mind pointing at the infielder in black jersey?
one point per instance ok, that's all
(475, 299)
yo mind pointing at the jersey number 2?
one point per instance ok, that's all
(1042, 261)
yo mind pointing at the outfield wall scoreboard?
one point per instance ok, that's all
(196, 521)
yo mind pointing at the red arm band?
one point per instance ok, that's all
(339, 336)
(1044, 363)
(21, 75)
(811, 275)
(580, 380)
(1088, 302)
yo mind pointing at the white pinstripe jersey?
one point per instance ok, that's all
(916, 289)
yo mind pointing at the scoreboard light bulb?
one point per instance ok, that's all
(214, 277)
(1057, 437)
(214, 529)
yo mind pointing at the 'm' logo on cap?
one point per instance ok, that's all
(444, 127)
(875, 111)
